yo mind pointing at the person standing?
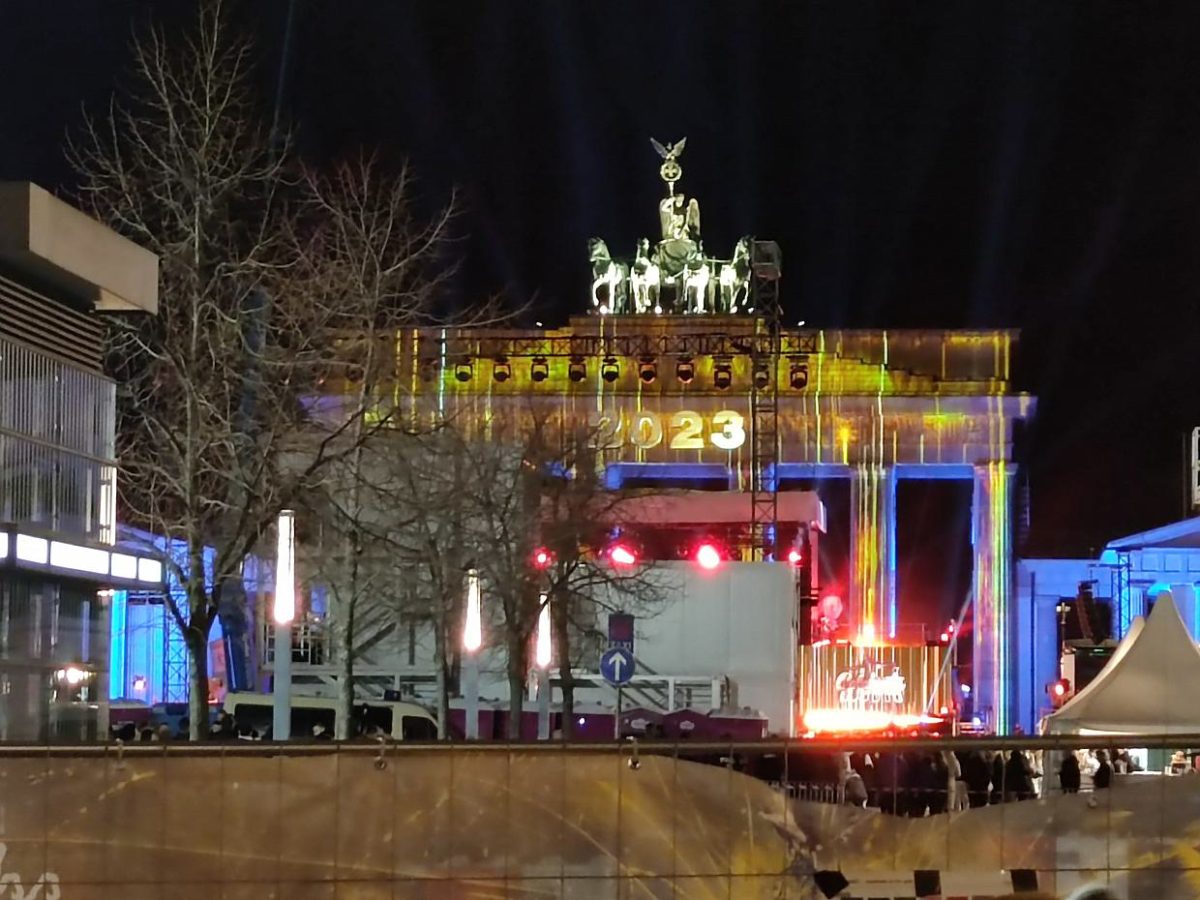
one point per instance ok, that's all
(1103, 777)
(977, 776)
(1068, 774)
(997, 794)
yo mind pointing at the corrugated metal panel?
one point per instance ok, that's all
(38, 321)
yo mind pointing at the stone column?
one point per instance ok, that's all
(991, 540)
(872, 588)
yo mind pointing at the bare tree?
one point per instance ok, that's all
(276, 291)
(365, 268)
(537, 485)
(578, 517)
(423, 483)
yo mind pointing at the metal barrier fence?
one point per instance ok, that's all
(371, 821)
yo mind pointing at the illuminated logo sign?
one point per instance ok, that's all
(681, 430)
(869, 688)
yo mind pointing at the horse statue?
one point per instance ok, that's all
(609, 293)
(735, 278)
(697, 283)
(644, 278)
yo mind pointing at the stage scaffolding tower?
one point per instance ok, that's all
(765, 371)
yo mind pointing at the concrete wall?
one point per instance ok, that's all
(737, 621)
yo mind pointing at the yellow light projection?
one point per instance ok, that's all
(871, 406)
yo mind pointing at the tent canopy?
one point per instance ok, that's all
(1146, 688)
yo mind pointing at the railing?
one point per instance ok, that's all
(548, 820)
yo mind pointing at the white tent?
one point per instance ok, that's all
(1148, 687)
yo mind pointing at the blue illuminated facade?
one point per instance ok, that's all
(149, 659)
(1128, 575)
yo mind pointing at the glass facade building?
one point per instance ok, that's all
(58, 469)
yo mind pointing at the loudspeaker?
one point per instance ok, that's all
(830, 883)
(1024, 881)
(927, 882)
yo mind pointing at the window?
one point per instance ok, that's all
(304, 721)
(418, 728)
(253, 717)
(368, 720)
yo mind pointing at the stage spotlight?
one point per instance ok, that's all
(722, 374)
(685, 370)
(539, 369)
(798, 374)
(708, 556)
(762, 375)
(647, 370)
(462, 371)
(501, 370)
(577, 369)
(623, 555)
(609, 370)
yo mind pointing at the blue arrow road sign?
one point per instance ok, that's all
(616, 665)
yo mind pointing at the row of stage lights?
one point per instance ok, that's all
(647, 368)
(707, 554)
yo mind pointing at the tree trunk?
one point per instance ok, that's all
(517, 673)
(562, 652)
(235, 626)
(197, 645)
(343, 646)
(443, 676)
(195, 637)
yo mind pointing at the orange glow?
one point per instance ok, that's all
(866, 634)
(834, 721)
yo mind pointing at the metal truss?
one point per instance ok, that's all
(175, 660)
(765, 355)
(756, 336)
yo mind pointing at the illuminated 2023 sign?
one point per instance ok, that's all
(684, 429)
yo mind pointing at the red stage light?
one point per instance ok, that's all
(945, 638)
(622, 555)
(542, 558)
(795, 556)
(1060, 689)
(708, 556)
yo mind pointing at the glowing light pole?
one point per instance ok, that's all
(472, 641)
(284, 613)
(541, 658)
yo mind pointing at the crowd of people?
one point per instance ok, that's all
(920, 783)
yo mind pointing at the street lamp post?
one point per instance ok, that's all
(472, 641)
(284, 613)
(541, 658)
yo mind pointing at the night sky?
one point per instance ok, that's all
(943, 164)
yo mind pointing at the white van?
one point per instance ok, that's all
(316, 717)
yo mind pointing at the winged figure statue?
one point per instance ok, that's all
(670, 151)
